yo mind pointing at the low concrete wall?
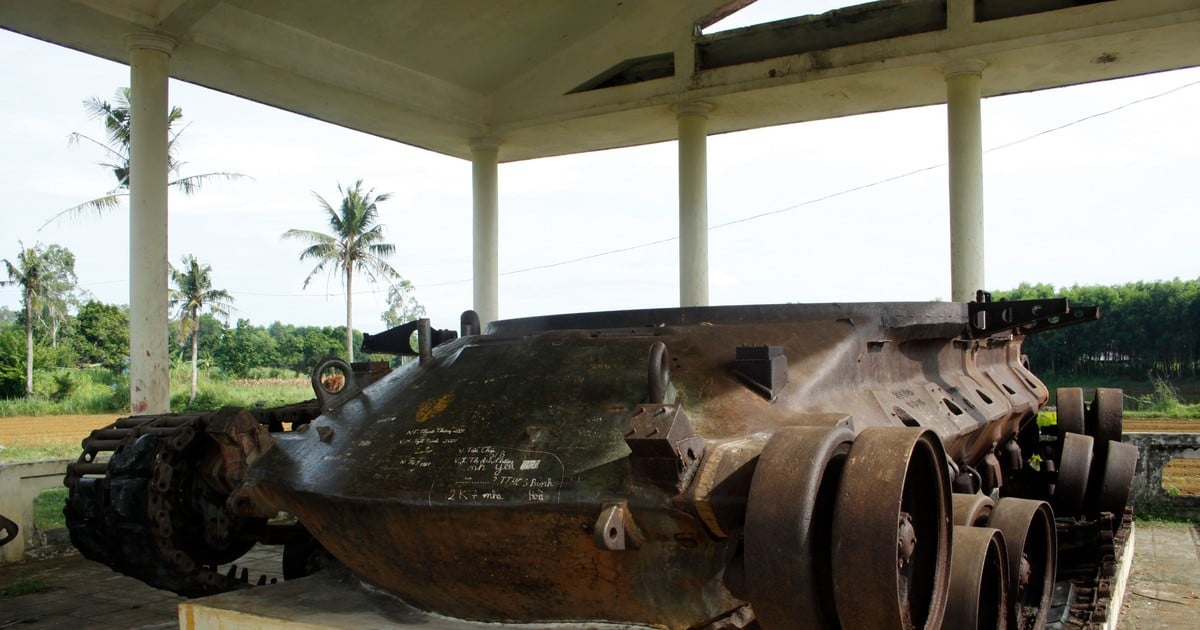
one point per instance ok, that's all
(20, 484)
(1154, 451)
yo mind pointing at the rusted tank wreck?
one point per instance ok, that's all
(873, 465)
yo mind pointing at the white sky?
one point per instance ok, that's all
(1109, 200)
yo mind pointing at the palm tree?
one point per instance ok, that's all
(116, 117)
(44, 274)
(355, 243)
(193, 292)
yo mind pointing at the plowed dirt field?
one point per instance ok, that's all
(1182, 476)
(35, 431)
(1166, 425)
(30, 431)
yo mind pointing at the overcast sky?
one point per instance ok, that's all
(1109, 200)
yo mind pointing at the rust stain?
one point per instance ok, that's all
(433, 408)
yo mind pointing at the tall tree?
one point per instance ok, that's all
(402, 304)
(61, 293)
(244, 347)
(354, 243)
(44, 274)
(194, 292)
(103, 334)
(116, 118)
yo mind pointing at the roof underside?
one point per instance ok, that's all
(552, 77)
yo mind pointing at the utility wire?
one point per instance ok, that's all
(829, 196)
(753, 217)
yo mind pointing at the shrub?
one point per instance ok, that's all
(12, 361)
(260, 373)
(1164, 399)
(61, 385)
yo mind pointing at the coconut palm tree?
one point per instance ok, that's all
(194, 292)
(45, 274)
(354, 243)
(116, 118)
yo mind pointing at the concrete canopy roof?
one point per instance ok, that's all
(552, 77)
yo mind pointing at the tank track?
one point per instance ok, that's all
(1087, 573)
(147, 513)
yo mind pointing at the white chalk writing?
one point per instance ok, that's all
(483, 474)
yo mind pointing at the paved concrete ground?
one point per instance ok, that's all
(1164, 588)
(72, 592)
(1164, 585)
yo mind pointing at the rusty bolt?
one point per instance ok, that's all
(1026, 571)
(906, 540)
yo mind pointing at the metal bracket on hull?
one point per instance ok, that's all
(986, 318)
(665, 447)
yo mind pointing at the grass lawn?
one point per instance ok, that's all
(39, 452)
(48, 509)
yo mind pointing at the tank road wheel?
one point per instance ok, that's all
(978, 580)
(788, 527)
(891, 531)
(1029, 535)
(971, 510)
(1070, 411)
(1105, 416)
(1112, 473)
(1074, 466)
(1112, 494)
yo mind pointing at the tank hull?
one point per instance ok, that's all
(766, 466)
(499, 451)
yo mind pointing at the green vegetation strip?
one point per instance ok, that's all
(24, 587)
(39, 452)
(95, 390)
(48, 509)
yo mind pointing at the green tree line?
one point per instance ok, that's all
(1145, 328)
(98, 336)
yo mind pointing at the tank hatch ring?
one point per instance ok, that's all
(334, 383)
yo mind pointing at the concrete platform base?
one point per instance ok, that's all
(71, 592)
(331, 599)
(1164, 586)
(1121, 581)
(336, 599)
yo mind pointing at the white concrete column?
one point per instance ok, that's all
(960, 15)
(485, 154)
(966, 178)
(692, 119)
(149, 377)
